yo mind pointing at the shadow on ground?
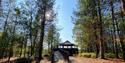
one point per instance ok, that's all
(20, 60)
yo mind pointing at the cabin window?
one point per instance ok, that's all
(60, 46)
(73, 46)
(69, 46)
(65, 46)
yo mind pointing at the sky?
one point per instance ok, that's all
(65, 10)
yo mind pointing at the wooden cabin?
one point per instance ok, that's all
(68, 47)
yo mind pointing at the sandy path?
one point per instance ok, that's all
(90, 60)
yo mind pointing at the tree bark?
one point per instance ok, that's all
(101, 32)
(31, 41)
(122, 43)
(96, 41)
(123, 5)
(42, 34)
(114, 28)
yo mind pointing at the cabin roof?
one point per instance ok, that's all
(67, 43)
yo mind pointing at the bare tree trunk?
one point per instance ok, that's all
(4, 34)
(101, 32)
(11, 40)
(96, 41)
(112, 41)
(123, 6)
(0, 8)
(21, 52)
(34, 43)
(40, 49)
(122, 43)
(114, 28)
(31, 50)
(25, 45)
(21, 48)
(0, 2)
(121, 37)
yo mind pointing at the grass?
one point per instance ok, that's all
(93, 55)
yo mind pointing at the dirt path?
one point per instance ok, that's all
(6, 59)
(81, 60)
(90, 60)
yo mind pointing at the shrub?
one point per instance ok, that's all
(109, 55)
(88, 55)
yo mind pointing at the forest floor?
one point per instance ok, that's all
(4, 60)
(79, 60)
(97, 60)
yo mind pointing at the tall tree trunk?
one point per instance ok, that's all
(4, 34)
(101, 31)
(121, 37)
(123, 6)
(112, 41)
(96, 42)
(40, 49)
(25, 46)
(31, 41)
(11, 40)
(95, 27)
(114, 28)
(122, 43)
(34, 43)
(21, 51)
(0, 8)
(48, 48)
(0, 2)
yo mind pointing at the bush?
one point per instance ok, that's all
(88, 55)
(109, 55)
(93, 55)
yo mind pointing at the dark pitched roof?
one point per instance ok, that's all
(67, 43)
